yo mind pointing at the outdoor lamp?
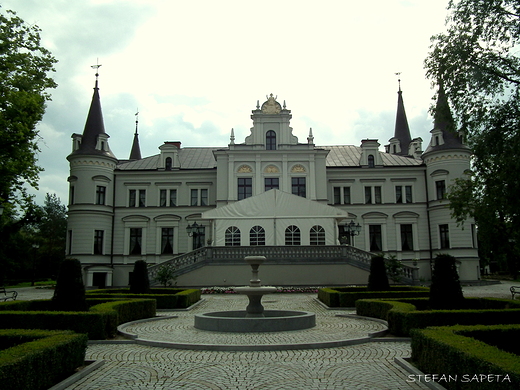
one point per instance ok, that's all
(353, 229)
(193, 229)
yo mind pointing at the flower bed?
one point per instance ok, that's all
(347, 296)
(284, 290)
(166, 298)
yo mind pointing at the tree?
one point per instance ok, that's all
(140, 283)
(378, 280)
(24, 65)
(445, 290)
(70, 290)
(166, 274)
(477, 62)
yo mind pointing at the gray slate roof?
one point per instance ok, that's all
(202, 158)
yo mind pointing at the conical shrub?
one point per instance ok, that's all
(378, 280)
(445, 290)
(69, 294)
(140, 283)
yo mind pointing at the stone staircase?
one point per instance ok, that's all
(311, 254)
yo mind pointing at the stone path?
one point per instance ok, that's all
(362, 366)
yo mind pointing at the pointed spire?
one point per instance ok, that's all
(402, 130)
(135, 153)
(94, 126)
(310, 138)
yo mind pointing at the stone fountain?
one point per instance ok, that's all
(255, 318)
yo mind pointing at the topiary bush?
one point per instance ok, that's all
(69, 294)
(140, 283)
(445, 290)
(378, 280)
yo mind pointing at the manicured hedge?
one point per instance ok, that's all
(167, 298)
(347, 296)
(458, 352)
(100, 322)
(402, 315)
(38, 359)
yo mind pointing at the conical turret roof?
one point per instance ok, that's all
(402, 130)
(94, 127)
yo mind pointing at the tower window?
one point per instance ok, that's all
(100, 194)
(98, 242)
(440, 186)
(444, 236)
(270, 140)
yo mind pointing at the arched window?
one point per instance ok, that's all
(371, 161)
(232, 237)
(168, 163)
(292, 235)
(270, 140)
(317, 235)
(257, 236)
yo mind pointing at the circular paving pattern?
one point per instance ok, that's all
(330, 330)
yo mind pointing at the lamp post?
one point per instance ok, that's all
(352, 229)
(196, 231)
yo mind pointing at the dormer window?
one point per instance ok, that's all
(270, 140)
(168, 163)
(371, 161)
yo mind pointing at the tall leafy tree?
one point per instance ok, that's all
(24, 84)
(477, 60)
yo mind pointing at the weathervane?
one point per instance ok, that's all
(136, 120)
(398, 74)
(96, 67)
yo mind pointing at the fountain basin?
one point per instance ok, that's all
(272, 321)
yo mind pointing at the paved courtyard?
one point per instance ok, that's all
(136, 365)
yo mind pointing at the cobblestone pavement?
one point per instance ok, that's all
(362, 366)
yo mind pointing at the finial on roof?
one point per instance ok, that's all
(258, 104)
(310, 138)
(398, 74)
(232, 137)
(96, 67)
(284, 106)
(136, 120)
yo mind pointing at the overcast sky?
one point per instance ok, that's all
(195, 69)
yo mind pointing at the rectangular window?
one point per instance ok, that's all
(376, 238)
(271, 183)
(165, 200)
(406, 238)
(398, 194)
(136, 238)
(194, 198)
(341, 195)
(299, 186)
(203, 197)
(142, 198)
(162, 198)
(69, 250)
(245, 187)
(132, 198)
(167, 241)
(444, 236)
(440, 186)
(408, 194)
(377, 194)
(71, 195)
(98, 242)
(173, 198)
(100, 194)
(368, 195)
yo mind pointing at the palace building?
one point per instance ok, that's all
(316, 212)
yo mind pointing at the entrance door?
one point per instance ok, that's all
(99, 279)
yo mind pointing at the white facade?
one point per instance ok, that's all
(123, 211)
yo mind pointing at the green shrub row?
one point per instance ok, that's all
(38, 359)
(402, 315)
(457, 352)
(100, 322)
(347, 296)
(167, 298)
